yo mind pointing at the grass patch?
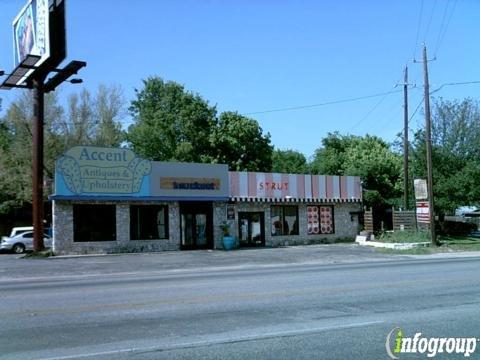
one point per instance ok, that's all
(461, 243)
(417, 251)
(403, 237)
(448, 244)
(38, 254)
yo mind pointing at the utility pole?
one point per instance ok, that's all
(405, 139)
(428, 140)
(37, 161)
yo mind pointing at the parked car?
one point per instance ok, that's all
(18, 230)
(22, 241)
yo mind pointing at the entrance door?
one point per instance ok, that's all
(196, 225)
(252, 228)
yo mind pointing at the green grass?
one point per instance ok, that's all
(403, 237)
(448, 244)
(38, 254)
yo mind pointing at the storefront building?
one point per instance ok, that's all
(110, 200)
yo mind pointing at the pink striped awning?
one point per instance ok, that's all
(256, 186)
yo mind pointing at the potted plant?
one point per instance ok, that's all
(228, 240)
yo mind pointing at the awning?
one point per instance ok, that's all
(294, 200)
(136, 198)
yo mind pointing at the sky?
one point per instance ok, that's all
(254, 56)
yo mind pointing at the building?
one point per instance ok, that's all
(110, 200)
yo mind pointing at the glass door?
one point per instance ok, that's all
(201, 229)
(251, 229)
(196, 226)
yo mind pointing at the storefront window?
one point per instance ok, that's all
(94, 223)
(284, 220)
(148, 222)
(320, 220)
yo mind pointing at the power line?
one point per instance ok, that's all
(454, 84)
(430, 21)
(388, 119)
(442, 35)
(442, 23)
(416, 109)
(371, 110)
(418, 28)
(436, 90)
(399, 135)
(301, 107)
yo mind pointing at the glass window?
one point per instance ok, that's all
(148, 222)
(320, 220)
(284, 220)
(94, 223)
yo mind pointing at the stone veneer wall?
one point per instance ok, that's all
(219, 216)
(63, 243)
(63, 231)
(345, 227)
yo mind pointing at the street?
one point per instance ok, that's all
(299, 311)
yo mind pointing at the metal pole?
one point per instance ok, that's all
(428, 139)
(37, 162)
(405, 140)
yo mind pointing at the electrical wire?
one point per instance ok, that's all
(370, 111)
(438, 89)
(442, 35)
(430, 21)
(301, 107)
(453, 84)
(442, 23)
(418, 29)
(388, 119)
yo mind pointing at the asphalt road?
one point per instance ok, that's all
(300, 311)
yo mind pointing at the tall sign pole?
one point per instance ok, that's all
(405, 140)
(428, 140)
(37, 161)
(43, 20)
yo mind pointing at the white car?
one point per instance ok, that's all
(19, 230)
(23, 241)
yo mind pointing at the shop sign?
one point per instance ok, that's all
(102, 171)
(177, 183)
(423, 212)
(189, 180)
(272, 185)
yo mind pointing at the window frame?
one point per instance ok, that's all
(76, 208)
(137, 207)
(332, 207)
(282, 219)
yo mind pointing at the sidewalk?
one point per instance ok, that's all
(15, 267)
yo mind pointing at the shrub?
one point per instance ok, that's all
(455, 228)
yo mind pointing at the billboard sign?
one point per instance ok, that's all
(420, 186)
(31, 33)
(90, 170)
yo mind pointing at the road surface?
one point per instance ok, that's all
(300, 311)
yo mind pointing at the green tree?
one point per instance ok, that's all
(170, 123)
(289, 161)
(81, 124)
(109, 110)
(455, 154)
(368, 157)
(93, 119)
(239, 142)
